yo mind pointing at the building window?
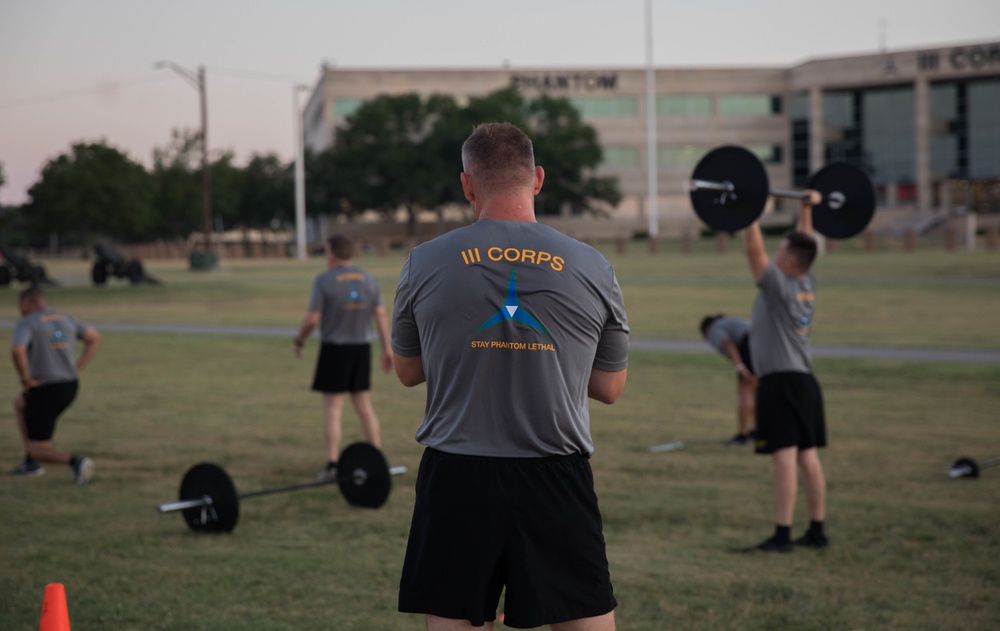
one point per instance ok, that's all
(888, 133)
(984, 129)
(683, 106)
(604, 107)
(619, 157)
(680, 156)
(342, 108)
(798, 114)
(749, 105)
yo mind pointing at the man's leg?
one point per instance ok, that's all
(815, 481)
(746, 398)
(333, 409)
(597, 623)
(434, 623)
(785, 484)
(45, 451)
(370, 425)
(19, 415)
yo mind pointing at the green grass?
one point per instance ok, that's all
(912, 549)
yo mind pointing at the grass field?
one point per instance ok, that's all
(912, 549)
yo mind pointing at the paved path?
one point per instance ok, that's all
(858, 352)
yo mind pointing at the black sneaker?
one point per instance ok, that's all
(740, 440)
(770, 545)
(812, 541)
(28, 468)
(329, 474)
(83, 471)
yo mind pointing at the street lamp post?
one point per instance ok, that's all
(197, 79)
(651, 144)
(300, 176)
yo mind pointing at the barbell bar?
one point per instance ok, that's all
(209, 501)
(969, 468)
(729, 190)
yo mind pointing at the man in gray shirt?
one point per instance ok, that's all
(43, 354)
(791, 426)
(344, 302)
(512, 326)
(730, 336)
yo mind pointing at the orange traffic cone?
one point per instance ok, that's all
(55, 616)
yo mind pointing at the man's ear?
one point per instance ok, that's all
(467, 187)
(539, 178)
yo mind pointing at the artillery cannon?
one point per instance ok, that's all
(13, 266)
(112, 262)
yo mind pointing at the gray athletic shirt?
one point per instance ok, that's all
(50, 337)
(724, 328)
(781, 323)
(345, 296)
(509, 317)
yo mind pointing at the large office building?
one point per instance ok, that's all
(924, 124)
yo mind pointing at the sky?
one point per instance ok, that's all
(82, 71)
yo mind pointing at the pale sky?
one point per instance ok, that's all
(82, 70)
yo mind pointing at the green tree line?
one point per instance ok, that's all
(392, 153)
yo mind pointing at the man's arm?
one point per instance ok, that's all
(805, 223)
(91, 342)
(606, 386)
(308, 324)
(410, 370)
(19, 355)
(382, 325)
(733, 353)
(753, 241)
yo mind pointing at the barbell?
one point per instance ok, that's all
(729, 189)
(969, 468)
(209, 502)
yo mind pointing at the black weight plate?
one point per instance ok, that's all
(730, 211)
(969, 463)
(854, 215)
(363, 476)
(212, 480)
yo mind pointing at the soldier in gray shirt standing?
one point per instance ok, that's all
(344, 302)
(791, 426)
(512, 326)
(730, 336)
(43, 354)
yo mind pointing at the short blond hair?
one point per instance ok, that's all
(499, 156)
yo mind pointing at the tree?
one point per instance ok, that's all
(94, 189)
(177, 185)
(267, 194)
(404, 152)
(381, 159)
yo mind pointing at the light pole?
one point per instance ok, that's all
(651, 151)
(300, 176)
(197, 79)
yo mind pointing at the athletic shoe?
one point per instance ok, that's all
(740, 440)
(812, 541)
(83, 471)
(28, 468)
(327, 475)
(770, 545)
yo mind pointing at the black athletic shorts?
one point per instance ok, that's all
(43, 405)
(343, 368)
(789, 412)
(530, 525)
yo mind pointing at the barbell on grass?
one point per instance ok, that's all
(209, 501)
(969, 468)
(729, 189)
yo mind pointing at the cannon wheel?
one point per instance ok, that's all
(99, 274)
